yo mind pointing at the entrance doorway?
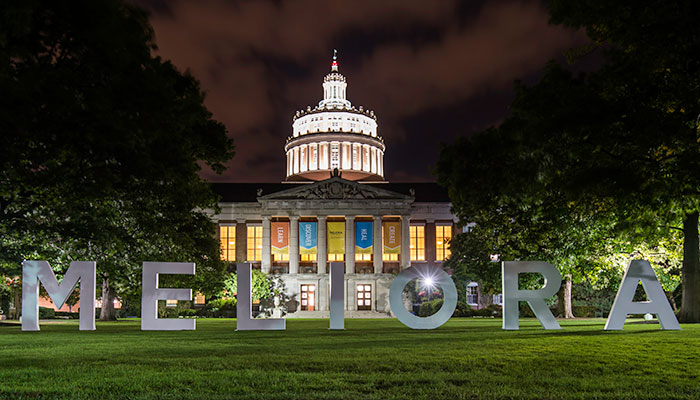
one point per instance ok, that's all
(308, 297)
(364, 297)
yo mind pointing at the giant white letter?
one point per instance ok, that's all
(150, 294)
(436, 276)
(641, 271)
(535, 298)
(337, 282)
(34, 272)
(244, 316)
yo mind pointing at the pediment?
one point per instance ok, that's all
(335, 188)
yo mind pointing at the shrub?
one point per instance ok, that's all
(71, 315)
(584, 311)
(188, 312)
(169, 312)
(492, 310)
(526, 311)
(463, 310)
(222, 308)
(429, 308)
(46, 313)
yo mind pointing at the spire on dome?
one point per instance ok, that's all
(334, 64)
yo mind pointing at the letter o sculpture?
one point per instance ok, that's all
(441, 279)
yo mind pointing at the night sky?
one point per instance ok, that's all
(431, 71)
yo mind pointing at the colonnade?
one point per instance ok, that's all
(322, 244)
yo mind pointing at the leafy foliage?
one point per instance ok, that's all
(101, 146)
(263, 286)
(590, 166)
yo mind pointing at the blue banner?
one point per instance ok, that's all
(308, 237)
(363, 237)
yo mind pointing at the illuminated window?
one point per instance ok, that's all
(417, 242)
(280, 257)
(227, 241)
(171, 303)
(308, 297)
(199, 298)
(390, 257)
(363, 257)
(335, 155)
(443, 235)
(336, 257)
(364, 297)
(308, 257)
(254, 242)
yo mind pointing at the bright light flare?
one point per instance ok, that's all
(428, 282)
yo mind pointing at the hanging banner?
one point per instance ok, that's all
(336, 238)
(279, 238)
(363, 237)
(308, 237)
(392, 237)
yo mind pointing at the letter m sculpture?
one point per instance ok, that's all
(34, 272)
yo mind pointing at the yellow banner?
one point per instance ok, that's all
(336, 238)
(392, 237)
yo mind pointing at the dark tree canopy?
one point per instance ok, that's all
(595, 161)
(101, 143)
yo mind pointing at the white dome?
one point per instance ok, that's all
(333, 135)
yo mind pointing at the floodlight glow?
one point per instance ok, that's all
(428, 282)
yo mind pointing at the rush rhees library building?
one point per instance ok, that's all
(335, 205)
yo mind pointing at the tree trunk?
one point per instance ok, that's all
(107, 312)
(564, 304)
(690, 303)
(17, 293)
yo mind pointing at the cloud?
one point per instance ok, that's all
(260, 61)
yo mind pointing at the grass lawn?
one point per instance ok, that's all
(463, 359)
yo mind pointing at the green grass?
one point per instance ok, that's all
(371, 359)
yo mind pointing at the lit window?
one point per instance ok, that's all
(280, 257)
(171, 303)
(390, 257)
(364, 297)
(308, 257)
(336, 257)
(363, 257)
(227, 241)
(417, 242)
(443, 235)
(199, 298)
(254, 242)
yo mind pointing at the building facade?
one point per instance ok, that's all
(334, 206)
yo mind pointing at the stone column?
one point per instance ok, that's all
(322, 250)
(377, 245)
(241, 241)
(266, 250)
(293, 245)
(349, 244)
(405, 241)
(430, 250)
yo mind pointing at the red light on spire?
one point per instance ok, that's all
(334, 64)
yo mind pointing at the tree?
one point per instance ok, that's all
(263, 285)
(496, 184)
(617, 147)
(652, 71)
(101, 145)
